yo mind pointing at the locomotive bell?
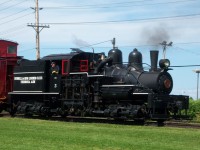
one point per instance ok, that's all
(135, 59)
(116, 56)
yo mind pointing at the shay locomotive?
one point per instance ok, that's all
(92, 84)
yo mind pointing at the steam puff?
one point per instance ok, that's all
(79, 42)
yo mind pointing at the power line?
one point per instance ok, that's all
(96, 44)
(185, 66)
(188, 43)
(188, 51)
(122, 46)
(13, 29)
(14, 14)
(26, 50)
(15, 33)
(16, 19)
(5, 2)
(121, 21)
(93, 5)
(13, 5)
(109, 5)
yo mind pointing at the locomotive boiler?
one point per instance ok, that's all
(92, 84)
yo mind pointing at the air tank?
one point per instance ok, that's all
(116, 56)
(135, 59)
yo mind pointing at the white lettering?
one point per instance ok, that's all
(33, 81)
(39, 78)
(24, 82)
(28, 80)
(32, 78)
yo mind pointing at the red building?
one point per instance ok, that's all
(8, 59)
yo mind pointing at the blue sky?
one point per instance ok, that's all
(141, 24)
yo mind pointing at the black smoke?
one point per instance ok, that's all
(153, 36)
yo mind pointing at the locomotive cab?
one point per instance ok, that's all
(77, 61)
(40, 90)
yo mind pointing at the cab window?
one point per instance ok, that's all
(12, 49)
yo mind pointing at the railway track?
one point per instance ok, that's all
(182, 124)
(174, 123)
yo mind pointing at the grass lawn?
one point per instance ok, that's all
(27, 134)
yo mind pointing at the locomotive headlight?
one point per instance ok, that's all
(164, 63)
(167, 83)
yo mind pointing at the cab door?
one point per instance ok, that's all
(3, 75)
(55, 83)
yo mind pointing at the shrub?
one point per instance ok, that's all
(194, 109)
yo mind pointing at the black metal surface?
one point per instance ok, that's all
(135, 59)
(30, 76)
(154, 60)
(116, 56)
(155, 81)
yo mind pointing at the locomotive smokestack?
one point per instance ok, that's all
(154, 59)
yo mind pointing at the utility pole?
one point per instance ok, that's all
(164, 44)
(37, 27)
(197, 71)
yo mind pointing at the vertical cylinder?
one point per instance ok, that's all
(154, 60)
(116, 56)
(135, 59)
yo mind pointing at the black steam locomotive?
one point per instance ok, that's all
(92, 84)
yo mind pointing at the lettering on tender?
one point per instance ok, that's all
(28, 80)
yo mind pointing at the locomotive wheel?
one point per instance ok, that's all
(28, 114)
(142, 112)
(47, 114)
(50, 114)
(160, 122)
(64, 115)
(139, 121)
(13, 109)
(61, 112)
(3, 106)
